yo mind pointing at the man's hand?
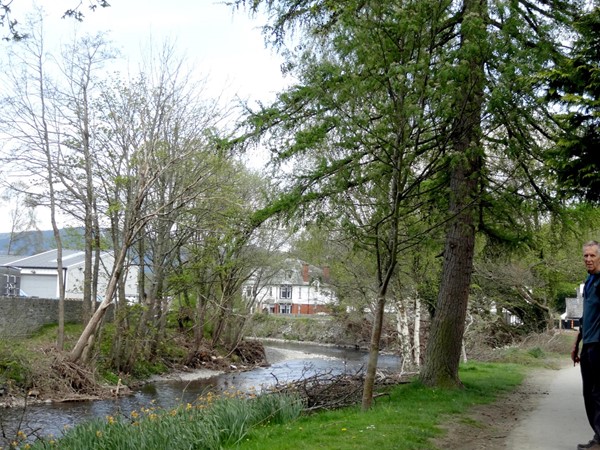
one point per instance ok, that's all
(575, 355)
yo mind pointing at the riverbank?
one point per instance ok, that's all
(273, 355)
(406, 416)
(178, 388)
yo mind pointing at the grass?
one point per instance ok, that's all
(408, 418)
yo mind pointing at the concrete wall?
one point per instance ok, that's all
(21, 316)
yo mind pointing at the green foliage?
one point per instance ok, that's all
(143, 369)
(574, 83)
(536, 352)
(546, 350)
(276, 409)
(14, 371)
(212, 423)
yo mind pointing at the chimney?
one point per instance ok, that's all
(305, 272)
(326, 274)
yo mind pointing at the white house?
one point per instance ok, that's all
(39, 277)
(297, 288)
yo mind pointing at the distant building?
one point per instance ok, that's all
(39, 277)
(296, 288)
(10, 282)
(573, 310)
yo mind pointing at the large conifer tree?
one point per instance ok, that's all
(406, 108)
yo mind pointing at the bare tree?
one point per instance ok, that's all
(81, 61)
(31, 121)
(155, 161)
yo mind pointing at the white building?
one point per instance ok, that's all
(39, 276)
(297, 288)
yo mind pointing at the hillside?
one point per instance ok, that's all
(28, 243)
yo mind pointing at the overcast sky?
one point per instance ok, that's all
(225, 47)
(224, 44)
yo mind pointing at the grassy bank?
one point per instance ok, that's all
(407, 416)
(27, 364)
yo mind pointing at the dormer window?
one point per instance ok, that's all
(285, 291)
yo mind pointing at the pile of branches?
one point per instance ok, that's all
(73, 378)
(251, 353)
(332, 391)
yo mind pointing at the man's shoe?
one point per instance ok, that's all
(592, 445)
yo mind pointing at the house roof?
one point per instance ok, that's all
(291, 272)
(6, 260)
(47, 260)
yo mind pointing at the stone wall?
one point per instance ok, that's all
(22, 316)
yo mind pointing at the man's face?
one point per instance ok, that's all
(591, 258)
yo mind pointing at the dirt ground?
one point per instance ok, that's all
(488, 426)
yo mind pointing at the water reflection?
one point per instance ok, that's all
(289, 362)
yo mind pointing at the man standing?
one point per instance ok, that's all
(589, 333)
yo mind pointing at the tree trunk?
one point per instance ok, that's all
(86, 307)
(367, 397)
(92, 326)
(417, 333)
(403, 333)
(199, 320)
(447, 328)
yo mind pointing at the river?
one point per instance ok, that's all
(288, 362)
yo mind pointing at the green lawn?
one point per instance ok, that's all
(406, 419)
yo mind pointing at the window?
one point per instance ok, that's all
(285, 308)
(248, 291)
(285, 291)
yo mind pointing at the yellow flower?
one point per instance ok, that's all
(110, 419)
(153, 416)
(98, 433)
(134, 414)
(21, 435)
(26, 447)
(188, 406)
(344, 429)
